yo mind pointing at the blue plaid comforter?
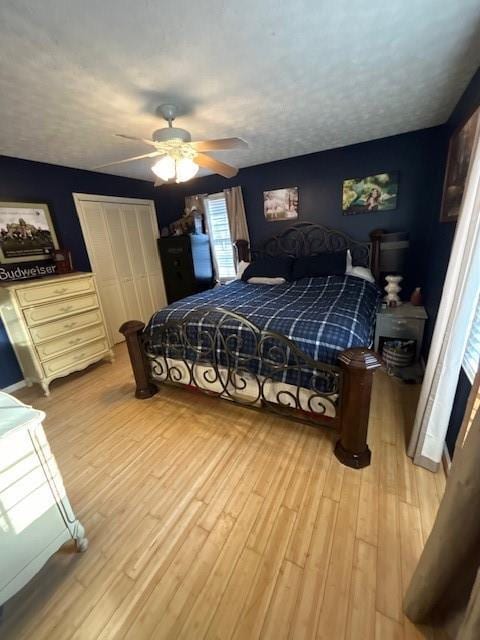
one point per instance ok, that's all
(323, 316)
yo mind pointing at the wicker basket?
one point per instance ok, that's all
(398, 353)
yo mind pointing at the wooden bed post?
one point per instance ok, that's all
(376, 238)
(132, 330)
(243, 250)
(358, 365)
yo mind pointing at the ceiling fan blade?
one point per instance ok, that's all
(223, 143)
(146, 140)
(153, 154)
(225, 170)
(158, 182)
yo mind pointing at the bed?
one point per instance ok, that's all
(299, 349)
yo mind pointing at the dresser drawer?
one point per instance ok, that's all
(68, 360)
(52, 348)
(399, 327)
(56, 310)
(51, 330)
(38, 294)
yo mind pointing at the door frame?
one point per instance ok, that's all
(86, 197)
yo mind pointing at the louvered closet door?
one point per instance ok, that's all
(130, 231)
(144, 258)
(120, 241)
(101, 254)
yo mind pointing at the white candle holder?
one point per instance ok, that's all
(393, 288)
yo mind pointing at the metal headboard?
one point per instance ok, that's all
(306, 239)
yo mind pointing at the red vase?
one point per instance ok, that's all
(416, 297)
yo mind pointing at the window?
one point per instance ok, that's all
(471, 357)
(220, 240)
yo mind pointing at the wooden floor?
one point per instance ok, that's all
(207, 520)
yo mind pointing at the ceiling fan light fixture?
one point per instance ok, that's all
(165, 168)
(177, 157)
(186, 169)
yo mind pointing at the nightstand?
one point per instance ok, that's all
(36, 515)
(405, 322)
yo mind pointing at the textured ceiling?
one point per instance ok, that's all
(290, 77)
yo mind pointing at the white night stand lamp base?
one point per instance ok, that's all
(393, 288)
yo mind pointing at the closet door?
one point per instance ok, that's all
(100, 252)
(133, 220)
(119, 242)
(154, 274)
(121, 238)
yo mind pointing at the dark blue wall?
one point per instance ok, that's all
(417, 155)
(22, 180)
(441, 240)
(441, 234)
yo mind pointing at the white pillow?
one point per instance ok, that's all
(262, 280)
(358, 272)
(349, 266)
(242, 265)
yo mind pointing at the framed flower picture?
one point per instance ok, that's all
(370, 194)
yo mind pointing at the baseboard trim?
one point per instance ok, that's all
(15, 387)
(446, 460)
(426, 463)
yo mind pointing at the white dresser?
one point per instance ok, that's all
(55, 324)
(36, 517)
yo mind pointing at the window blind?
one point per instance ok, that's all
(219, 233)
(471, 358)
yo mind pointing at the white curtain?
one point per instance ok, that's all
(454, 318)
(237, 220)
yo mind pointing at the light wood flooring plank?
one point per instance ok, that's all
(255, 609)
(387, 629)
(333, 614)
(389, 578)
(367, 520)
(203, 610)
(361, 613)
(282, 605)
(314, 577)
(227, 614)
(207, 520)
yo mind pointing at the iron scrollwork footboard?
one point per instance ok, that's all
(224, 354)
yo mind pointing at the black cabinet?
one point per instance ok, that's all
(187, 265)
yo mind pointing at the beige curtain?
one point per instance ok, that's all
(445, 588)
(237, 219)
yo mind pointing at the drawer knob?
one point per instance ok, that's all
(67, 308)
(75, 341)
(70, 325)
(60, 291)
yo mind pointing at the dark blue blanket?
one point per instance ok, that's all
(323, 316)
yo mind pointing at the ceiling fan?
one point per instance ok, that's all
(179, 157)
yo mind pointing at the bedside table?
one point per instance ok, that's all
(36, 515)
(405, 322)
